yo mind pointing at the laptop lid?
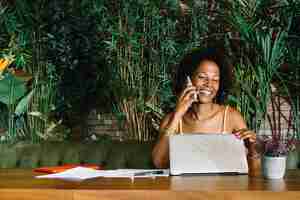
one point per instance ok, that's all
(207, 153)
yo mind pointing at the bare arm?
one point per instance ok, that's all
(160, 153)
(239, 128)
(169, 125)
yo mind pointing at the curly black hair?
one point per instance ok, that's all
(190, 63)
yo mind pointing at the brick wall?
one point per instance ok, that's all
(101, 124)
(285, 114)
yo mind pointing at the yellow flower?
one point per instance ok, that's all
(4, 63)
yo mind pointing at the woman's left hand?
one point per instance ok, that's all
(245, 134)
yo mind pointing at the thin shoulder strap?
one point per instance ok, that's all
(180, 127)
(224, 120)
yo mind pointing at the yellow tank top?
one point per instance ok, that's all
(223, 123)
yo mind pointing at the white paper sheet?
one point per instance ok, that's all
(82, 173)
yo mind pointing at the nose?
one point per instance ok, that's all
(208, 82)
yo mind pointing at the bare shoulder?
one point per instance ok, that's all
(236, 119)
(166, 119)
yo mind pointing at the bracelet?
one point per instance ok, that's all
(168, 131)
(253, 156)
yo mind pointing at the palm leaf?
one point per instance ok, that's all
(22, 106)
(11, 89)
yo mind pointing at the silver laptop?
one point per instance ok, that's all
(207, 153)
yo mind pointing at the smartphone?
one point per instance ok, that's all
(189, 83)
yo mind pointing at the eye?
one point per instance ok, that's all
(202, 77)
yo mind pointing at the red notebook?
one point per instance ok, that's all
(61, 168)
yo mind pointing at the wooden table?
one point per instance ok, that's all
(18, 184)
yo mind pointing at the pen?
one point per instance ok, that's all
(148, 173)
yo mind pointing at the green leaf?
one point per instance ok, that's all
(232, 99)
(23, 104)
(11, 89)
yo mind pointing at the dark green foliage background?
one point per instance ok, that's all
(83, 43)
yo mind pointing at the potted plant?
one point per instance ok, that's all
(281, 141)
(275, 150)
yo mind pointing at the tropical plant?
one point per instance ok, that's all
(146, 39)
(292, 80)
(74, 52)
(255, 77)
(264, 28)
(139, 48)
(263, 49)
(23, 27)
(14, 94)
(123, 54)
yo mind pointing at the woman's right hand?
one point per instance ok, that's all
(185, 100)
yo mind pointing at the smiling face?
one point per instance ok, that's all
(206, 78)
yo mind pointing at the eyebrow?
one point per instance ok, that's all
(203, 73)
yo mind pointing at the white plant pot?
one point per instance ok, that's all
(274, 167)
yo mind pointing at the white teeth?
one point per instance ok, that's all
(205, 92)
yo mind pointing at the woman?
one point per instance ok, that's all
(197, 88)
